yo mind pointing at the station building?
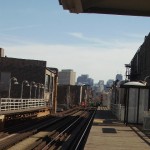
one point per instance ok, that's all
(42, 80)
(140, 63)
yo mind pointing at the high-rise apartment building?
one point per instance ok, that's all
(66, 77)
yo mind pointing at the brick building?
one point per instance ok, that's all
(45, 79)
(140, 64)
(22, 69)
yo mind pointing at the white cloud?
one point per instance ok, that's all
(109, 44)
(88, 39)
(8, 39)
(134, 35)
(99, 63)
(77, 35)
(98, 58)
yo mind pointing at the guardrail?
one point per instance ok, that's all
(10, 104)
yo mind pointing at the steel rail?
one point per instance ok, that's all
(85, 131)
(75, 137)
(61, 133)
(27, 132)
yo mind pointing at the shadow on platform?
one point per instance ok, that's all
(105, 117)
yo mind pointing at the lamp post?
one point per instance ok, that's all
(32, 83)
(27, 84)
(35, 90)
(80, 95)
(40, 85)
(15, 82)
(147, 77)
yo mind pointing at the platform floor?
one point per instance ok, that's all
(109, 134)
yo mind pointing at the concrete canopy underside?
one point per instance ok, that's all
(120, 7)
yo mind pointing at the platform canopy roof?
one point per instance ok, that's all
(120, 7)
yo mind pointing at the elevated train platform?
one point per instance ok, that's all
(14, 108)
(14, 105)
(107, 133)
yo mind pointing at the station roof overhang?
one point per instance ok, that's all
(120, 7)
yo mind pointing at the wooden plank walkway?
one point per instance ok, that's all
(109, 134)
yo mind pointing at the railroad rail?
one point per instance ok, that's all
(56, 132)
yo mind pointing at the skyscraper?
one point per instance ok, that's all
(101, 85)
(109, 83)
(119, 77)
(66, 77)
(84, 79)
(1, 52)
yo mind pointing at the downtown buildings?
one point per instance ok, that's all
(119, 77)
(66, 77)
(84, 79)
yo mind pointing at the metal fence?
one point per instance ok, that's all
(10, 104)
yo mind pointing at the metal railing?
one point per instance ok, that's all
(10, 104)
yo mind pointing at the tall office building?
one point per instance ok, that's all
(66, 77)
(109, 83)
(119, 77)
(101, 85)
(1, 52)
(84, 79)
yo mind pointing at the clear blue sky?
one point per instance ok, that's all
(94, 44)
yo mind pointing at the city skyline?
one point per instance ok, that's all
(94, 44)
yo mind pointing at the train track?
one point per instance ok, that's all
(73, 137)
(13, 135)
(59, 132)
